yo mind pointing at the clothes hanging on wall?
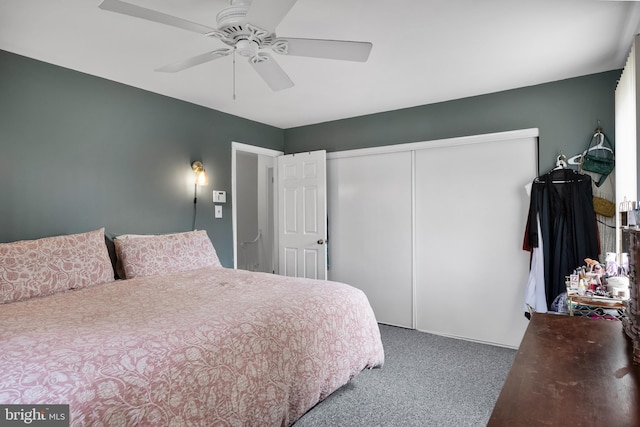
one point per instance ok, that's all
(562, 202)
(603, 185)
(535, 295)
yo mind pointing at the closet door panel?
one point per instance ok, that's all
(471, 209)
(370, 230)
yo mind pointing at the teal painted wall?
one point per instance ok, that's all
(566, 112)
(79, 152)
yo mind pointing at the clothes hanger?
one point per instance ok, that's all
(561, 162)
(577, 159)
(600, 145)
(561, 165)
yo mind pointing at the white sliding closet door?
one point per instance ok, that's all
(471, 209)
(370, 229)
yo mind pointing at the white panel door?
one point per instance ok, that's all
(303, 215)
(370, 231)
(471, 211)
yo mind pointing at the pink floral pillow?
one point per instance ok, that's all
(31, 268)
(170, 253)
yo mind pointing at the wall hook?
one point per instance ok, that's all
(599, 128)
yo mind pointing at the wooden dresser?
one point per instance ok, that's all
(571, 371)
(631, 318)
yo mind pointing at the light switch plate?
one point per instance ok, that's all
(218, 211)
(219, 196)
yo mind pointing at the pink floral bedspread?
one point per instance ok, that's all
(210, 347)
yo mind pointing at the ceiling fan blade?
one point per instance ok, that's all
(152, 15)
(270, 71)
(330, 49)
(195, 60)
(267, 14)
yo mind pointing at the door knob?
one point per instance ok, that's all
(321, 241)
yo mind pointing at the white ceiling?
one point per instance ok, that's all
(424, 51)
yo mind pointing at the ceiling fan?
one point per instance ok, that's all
(248, 28)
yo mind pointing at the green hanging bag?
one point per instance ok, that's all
(599, 157)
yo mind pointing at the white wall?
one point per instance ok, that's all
(266, 220)
(252, 203)
(247, 209)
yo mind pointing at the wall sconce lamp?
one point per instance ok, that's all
(201, 173)
(201, 178)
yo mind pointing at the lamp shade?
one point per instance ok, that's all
(201, 173)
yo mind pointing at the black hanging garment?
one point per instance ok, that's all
(563, 199)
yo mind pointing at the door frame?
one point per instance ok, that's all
(247, 148)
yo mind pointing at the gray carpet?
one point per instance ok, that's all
(427, 380)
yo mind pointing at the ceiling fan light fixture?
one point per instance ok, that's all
(247, 48)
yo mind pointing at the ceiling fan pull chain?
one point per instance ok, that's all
(234, 74)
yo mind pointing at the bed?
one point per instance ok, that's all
(181, 341)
